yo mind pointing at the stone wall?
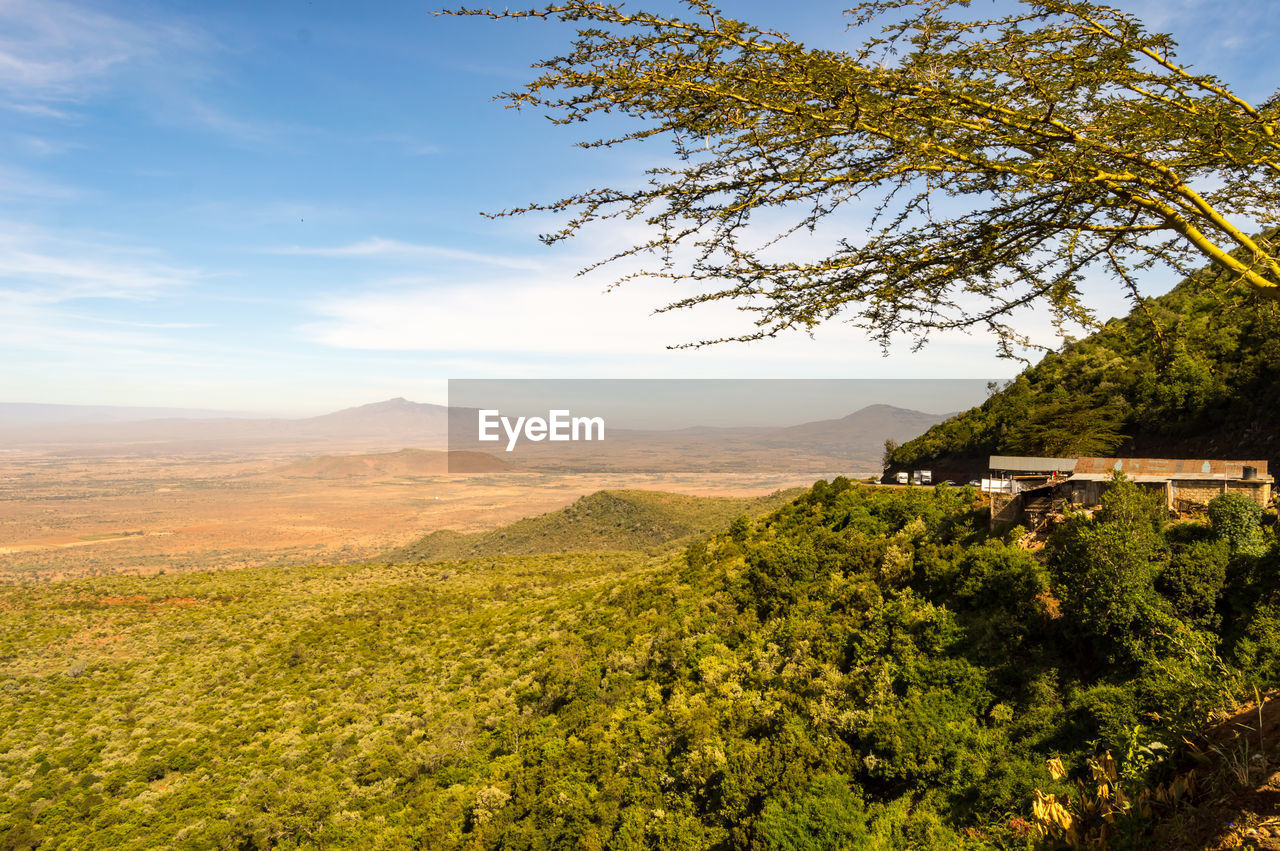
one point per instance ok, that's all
(1005, 508)
(1198, 491)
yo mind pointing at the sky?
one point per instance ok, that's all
(277, 207)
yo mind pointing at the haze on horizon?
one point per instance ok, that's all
(276, 209)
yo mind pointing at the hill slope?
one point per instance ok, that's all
(605, 520)
(406, 462)
(862, 668)
(1192, 373)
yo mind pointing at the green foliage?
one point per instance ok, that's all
(861, 668)
(826, 814)
(1257, 648)
(603, 521)
(1070, 135)
(1236, 520)
(1105, 569)
(1193, 582)
(1067, 429)
(1194, 370)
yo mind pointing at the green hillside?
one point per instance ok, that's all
(1193, 373)
(862, 668)
(602, 521)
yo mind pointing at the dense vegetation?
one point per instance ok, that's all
(860, 668)
(1193, 372)
(605, 520)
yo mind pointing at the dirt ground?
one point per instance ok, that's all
(67, 517)
(1241, 806)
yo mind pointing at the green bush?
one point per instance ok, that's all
(1104, 569)
(826, 814)
(1237, 520)
(1193, 582)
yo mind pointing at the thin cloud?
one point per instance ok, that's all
(389, 248)
(550, 326)
(46, 328)
(39, 268)
(39, 109)
(128, 323)
(193, 112)
(56, 51)
(548, 314)
(16, 183)
(56, 55)
(40, 146)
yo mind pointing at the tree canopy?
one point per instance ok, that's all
(1003, 158)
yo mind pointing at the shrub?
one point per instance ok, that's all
(1237, 520)
(1193, 582)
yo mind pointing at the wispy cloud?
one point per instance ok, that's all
(57, 55)
(18, 183)
(52, 51)
(546, 314)
(47, 328)
(376, 247)
(53, 287)
(549, 326)
(40, 109)
(130, 323)
(41, 146)
(552, 319)
(42, 268)
(193, 112)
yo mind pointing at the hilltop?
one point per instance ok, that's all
(1192, 373)
(406, 462)
(603, 521)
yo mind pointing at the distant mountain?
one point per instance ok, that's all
(864, 430)
(392, 424)
(851, 444)
(393, 415)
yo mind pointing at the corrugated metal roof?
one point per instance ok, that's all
(1171, 468)
(1022, 464)
(1179, 477)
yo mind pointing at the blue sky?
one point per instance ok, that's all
(276, 207)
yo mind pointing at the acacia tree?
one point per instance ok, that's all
(1069, 135)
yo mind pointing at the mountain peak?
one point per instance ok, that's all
(397, 402)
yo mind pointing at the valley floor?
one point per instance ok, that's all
(70, 517)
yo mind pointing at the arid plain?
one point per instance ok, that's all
(83, 499)
(68, 517)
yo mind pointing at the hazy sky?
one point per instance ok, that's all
(276, 207)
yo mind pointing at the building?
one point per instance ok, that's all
(1033, 490)
(1024, 489)
(1187, 485)
(1013, 474)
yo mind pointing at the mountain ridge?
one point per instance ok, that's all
(394, 424)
